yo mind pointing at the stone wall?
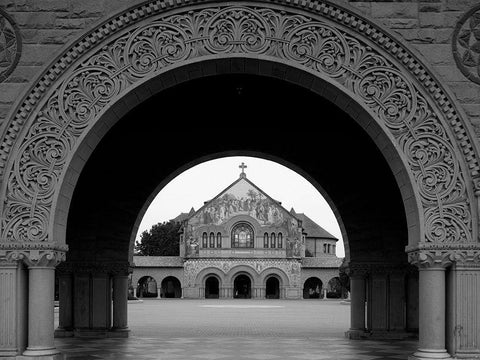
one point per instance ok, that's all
(48, 26)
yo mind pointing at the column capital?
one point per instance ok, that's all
(467, 258)
(425, 259)
(34, 254)
(357, 270)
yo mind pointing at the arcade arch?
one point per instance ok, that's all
(171, 288)
(410, 128)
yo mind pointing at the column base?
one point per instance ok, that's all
(468, 354)
(119, 333)
(426, 354)
(41, 354)
(354, 334)
(63, 333)
(41, 357)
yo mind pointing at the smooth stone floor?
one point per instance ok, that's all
(236, 329)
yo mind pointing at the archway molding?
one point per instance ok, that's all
(322, 46)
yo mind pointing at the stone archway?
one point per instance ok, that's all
(316, 44)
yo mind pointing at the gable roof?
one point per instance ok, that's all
(242, 178)
(313, 229)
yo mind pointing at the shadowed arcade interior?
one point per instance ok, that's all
(237, 115)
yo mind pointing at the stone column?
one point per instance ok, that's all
(432, 293)
(41, 289)
(357, 303)
(463, 312)
(65, 311)
(12, 308)
(120, 305)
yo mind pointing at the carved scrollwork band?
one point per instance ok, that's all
(378, 79)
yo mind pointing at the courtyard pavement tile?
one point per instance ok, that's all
(236, 330)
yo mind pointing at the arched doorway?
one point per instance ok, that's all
(385, 89)
(272, 288)
(147, 287)
(242, 287)
(212, 288)
(171, 288)
(312, 288)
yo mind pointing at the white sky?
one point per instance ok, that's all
(206, 180)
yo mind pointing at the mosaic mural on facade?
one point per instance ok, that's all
(243, 198)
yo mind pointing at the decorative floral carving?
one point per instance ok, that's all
(466, 44)
(321, 46)
(10, 45)
(431, 258)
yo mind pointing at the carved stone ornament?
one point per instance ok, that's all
(192, 268)
(335, 44)
(10, 45)
(41, 257)
(433, 258)
(466, 44)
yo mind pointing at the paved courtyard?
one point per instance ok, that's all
(236, 329)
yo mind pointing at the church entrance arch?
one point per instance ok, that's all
(242, 287)
(212, 288)
(272, 288)
(312, 288)
(171, 288)
(405, 111)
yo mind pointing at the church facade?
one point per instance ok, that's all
(244, 244)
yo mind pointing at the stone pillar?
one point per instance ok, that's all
(41, 289)
(463, 310)
(357, 304)
(13, 308)
(65, 311)
(101, 301)
(432, 304)
(120, 305)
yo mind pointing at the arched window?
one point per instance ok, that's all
(204, 240)
(324, 248)
(242, 236)
(219, 240)
(329, 248)
(333, 251)
(272, 241)
(212, 240)
(280, 241)
(265, 240)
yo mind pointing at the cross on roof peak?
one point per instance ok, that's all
(243, 167)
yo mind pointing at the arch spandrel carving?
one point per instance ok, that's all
(328, 41)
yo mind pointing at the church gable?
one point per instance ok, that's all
(244, 198)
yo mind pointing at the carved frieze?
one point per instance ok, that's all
(194, 266)
(10, 45)
(396, 95)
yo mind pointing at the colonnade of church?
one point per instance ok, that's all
(93, 300)
(384, 300)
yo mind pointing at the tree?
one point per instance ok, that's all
(161, 240)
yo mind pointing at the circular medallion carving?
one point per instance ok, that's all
(466, 44)
(10, 45)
